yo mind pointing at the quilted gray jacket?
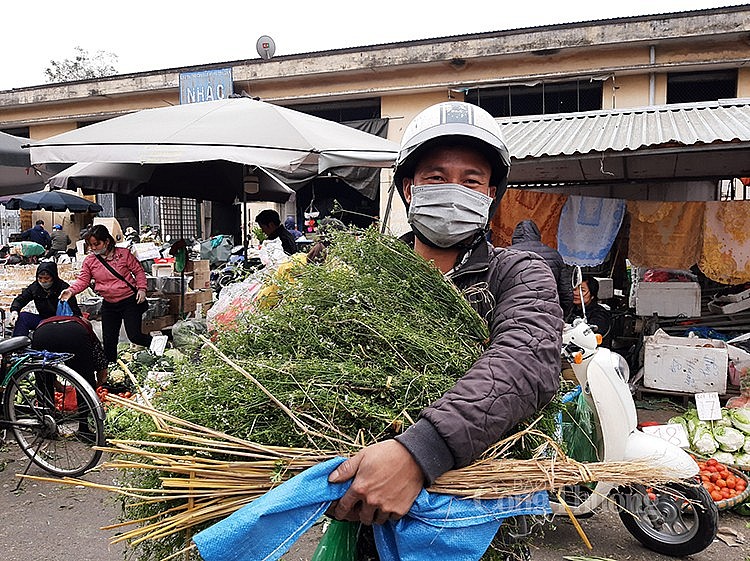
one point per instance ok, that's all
(516, 375)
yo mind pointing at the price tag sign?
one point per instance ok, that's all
(158, 344)
(672, 433)
(709, 408)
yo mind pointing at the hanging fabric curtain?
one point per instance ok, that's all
(665, 235)
(725, 252)
(588, 228)
(520, 204)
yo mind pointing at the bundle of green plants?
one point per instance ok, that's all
(335, 356)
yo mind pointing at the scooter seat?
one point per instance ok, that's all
(14, 344)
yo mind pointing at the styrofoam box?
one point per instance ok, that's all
(670, 299)
(606, 288)
(685, 364)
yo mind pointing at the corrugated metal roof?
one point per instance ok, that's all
(628, 130)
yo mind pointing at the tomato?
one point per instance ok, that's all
(721, 484)
(711, 462)
(716, 496)
(725, 493)
(731, 481)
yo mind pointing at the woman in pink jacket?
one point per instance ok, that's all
(118, 278)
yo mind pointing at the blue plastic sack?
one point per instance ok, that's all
(64, 309)
(437, 528)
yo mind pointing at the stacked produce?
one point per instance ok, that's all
(726, 440)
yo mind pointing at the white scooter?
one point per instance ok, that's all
(676, 519)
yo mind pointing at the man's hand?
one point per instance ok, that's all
(65, 295)
(140, 297)
(12, 318)
(387, 479)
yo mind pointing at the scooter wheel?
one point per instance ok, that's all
(673, 519)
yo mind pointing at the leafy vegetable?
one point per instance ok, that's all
(702, 441)
(740, 419)
(729, 439)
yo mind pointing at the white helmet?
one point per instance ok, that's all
(455, 118)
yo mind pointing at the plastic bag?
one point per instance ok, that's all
(64, 309)
(234, 300)
(339, 543)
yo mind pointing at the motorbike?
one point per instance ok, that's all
(675, 519)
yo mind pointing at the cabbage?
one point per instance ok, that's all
(742, 459)
(724, 458)
(740, 419)
(679, 420)
(729, 439)
(746, 447)
(725, 420)
(702, 441)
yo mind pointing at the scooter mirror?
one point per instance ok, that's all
(577, 276)
(577, 280)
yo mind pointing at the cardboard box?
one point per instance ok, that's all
(204, 296)
(191, 300)
(668, 299)
(685, 364)
(202, 265)
(201, 280)
(157, 324)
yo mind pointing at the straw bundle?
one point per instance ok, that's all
(198, 490)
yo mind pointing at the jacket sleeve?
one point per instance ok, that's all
(83, 279)
(20, 301)
(516, 375)
(565, 289)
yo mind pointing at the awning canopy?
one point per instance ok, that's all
(669, 142)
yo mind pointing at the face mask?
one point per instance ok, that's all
(448, 214)
(46, 285)
(99, 251)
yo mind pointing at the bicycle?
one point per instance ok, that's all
(52, 412)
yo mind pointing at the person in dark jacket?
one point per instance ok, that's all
(451, 171)
(291, 225)
(37, 234)
(596, 314)
(60, 240)
(526, 236)
(270, 222)
(45, 293)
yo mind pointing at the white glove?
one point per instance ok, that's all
(140, 297)
(12, 318)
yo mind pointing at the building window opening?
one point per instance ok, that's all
(540, 99)
(689, 87)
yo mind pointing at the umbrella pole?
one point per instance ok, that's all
(244, 226)
(182, 273)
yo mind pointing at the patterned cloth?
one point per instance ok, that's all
(437, 528)
(665, 235)
(588, 228)
(725, 255)
(519, 204)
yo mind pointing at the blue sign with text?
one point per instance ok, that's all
(205, 85)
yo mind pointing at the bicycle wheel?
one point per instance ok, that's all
(55, 417)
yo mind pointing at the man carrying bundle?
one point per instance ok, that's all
(451, 172)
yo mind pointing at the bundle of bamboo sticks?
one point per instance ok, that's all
(197, 489)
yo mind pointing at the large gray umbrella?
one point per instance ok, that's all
(214, 181)
(241, 130)
(16, 174)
